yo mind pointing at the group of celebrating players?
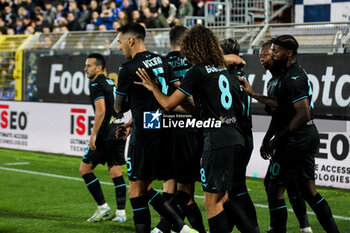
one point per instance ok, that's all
(204, 78)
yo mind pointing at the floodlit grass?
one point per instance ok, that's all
(42, 203)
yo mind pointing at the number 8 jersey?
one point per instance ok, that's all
(217, 97)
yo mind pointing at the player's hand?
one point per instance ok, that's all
(233, 59)
(246, 87)
(92, 142)
(271, 147)
(146, 80)
(263, 153)
(123, 130)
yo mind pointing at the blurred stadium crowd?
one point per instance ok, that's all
(30, 16)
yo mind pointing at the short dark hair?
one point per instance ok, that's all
(287, 42)
(100, 60)
(176, 34)
(267, 43)
(135, 29)
(230, 46)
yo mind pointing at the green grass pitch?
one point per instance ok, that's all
(42, 192)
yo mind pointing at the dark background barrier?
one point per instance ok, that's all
(62, 79)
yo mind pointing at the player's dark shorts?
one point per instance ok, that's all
(295, 158)
(110, 151)
(187, 149)
(146, 162)
(221, 168)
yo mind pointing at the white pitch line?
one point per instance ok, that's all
(11, 164)
(109, 183)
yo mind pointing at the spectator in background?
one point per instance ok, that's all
(113, 8)
(185, 9)
(50, 12)
(153, 5)
(127, 7)
(29, 30)
(73, 7)
(2, 26)
(106, 18)
(10, 31)
(60, 11)
(94, 6)
(102, 27)
(84, 16)
(73, 24)
(46, 29)
(10, 17)
(123, 18)
(40, 23)
(142, 5)
(116, 25)
(136, 16)
(20, 27)
(168, 10)
(148, 20)
(92, 25)
(22, 13)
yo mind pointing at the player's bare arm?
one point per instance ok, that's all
(167, 102)
(269, 101)
(100, 111)
(120, 104)
(301, 117)
(233, 59)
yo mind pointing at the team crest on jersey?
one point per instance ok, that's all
(152, 120)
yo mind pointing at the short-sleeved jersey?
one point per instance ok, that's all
(103, 87)
(271, 90)
(140, 99)
(293, 86)
(216, 96)
(245, 117)
(179, 64)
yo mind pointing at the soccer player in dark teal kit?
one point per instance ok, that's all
(240, 193)
(296, 139)
(145, 148)
(211, 86)
(103, 145)
(294, 195)
(185, 148)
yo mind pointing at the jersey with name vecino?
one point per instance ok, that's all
(293, 86)
(217, 98)
(104, 88)
(179, 64)
(140, 99)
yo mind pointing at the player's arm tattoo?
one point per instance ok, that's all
(121, 104)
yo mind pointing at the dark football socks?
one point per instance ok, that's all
(298, 205)
(120, 192)
(241, 211)
(218, 223)
(141, 214)
(194, 217)
(324, 214)
(278, 215)
(94, 187)
(163, 224)
(163, 207)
